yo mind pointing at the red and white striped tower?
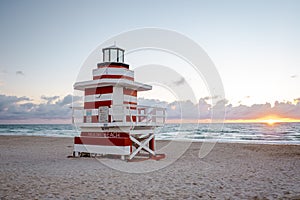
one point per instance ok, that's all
(113, 122)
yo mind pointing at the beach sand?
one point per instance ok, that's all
(38, 168)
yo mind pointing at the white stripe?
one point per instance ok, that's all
(113, 71)
(122, 111)
(95, 112)
(131, 112)
(107, 97)
(98, 97)
(130, 98)
(119, 150)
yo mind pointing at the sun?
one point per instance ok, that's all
(271, 122)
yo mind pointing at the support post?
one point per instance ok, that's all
(152, 144)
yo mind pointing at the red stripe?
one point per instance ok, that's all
(113, 77)
(99, 90)
(130, 92)
(97, 104)
(105, 134)
(129, 102)
(111, 66)
(128, 118)
(131, 107)
(103, 141)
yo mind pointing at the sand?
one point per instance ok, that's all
(38, 168)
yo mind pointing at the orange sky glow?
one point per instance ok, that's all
(269, 119)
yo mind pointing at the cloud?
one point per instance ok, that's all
(21, 108)
(287, 109)
(152, 102)
(294, 76)
(58, 108)
(182, 109)
(179, 82)
(282, 109)
(20, 73)
(211, 97)
(204, 110)
(49, 99)
(7, 101)
(247, 112)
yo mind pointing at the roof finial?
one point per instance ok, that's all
(115, 44)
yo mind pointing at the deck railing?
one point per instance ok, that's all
(128, 113)
(137, 114)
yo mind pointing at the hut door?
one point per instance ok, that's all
(103, 114)
(117, 105)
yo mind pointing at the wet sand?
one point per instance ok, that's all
(38, 168)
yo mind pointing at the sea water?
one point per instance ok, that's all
(283, 133)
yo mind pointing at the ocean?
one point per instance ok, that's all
(279, 133)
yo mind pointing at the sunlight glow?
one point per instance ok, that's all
(271, 122)
(273, 119)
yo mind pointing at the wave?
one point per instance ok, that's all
(279, 133)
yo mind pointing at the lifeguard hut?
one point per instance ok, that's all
(113, 122)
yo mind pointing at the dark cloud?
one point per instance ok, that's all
(182, 109)
(282, 109)
(67, 100)
(49, 99)
(294, 76)
(211, 97)
(287, 109)
(18, 108)
(248, 112)
(55, 107)
(204, 110)
(152, 102)
(7, 101)
(179, 82)
(218, 110)
(20, 73)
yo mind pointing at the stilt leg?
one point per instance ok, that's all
(75, 153)
(152, 144)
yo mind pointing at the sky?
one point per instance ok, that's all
(254, 45)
